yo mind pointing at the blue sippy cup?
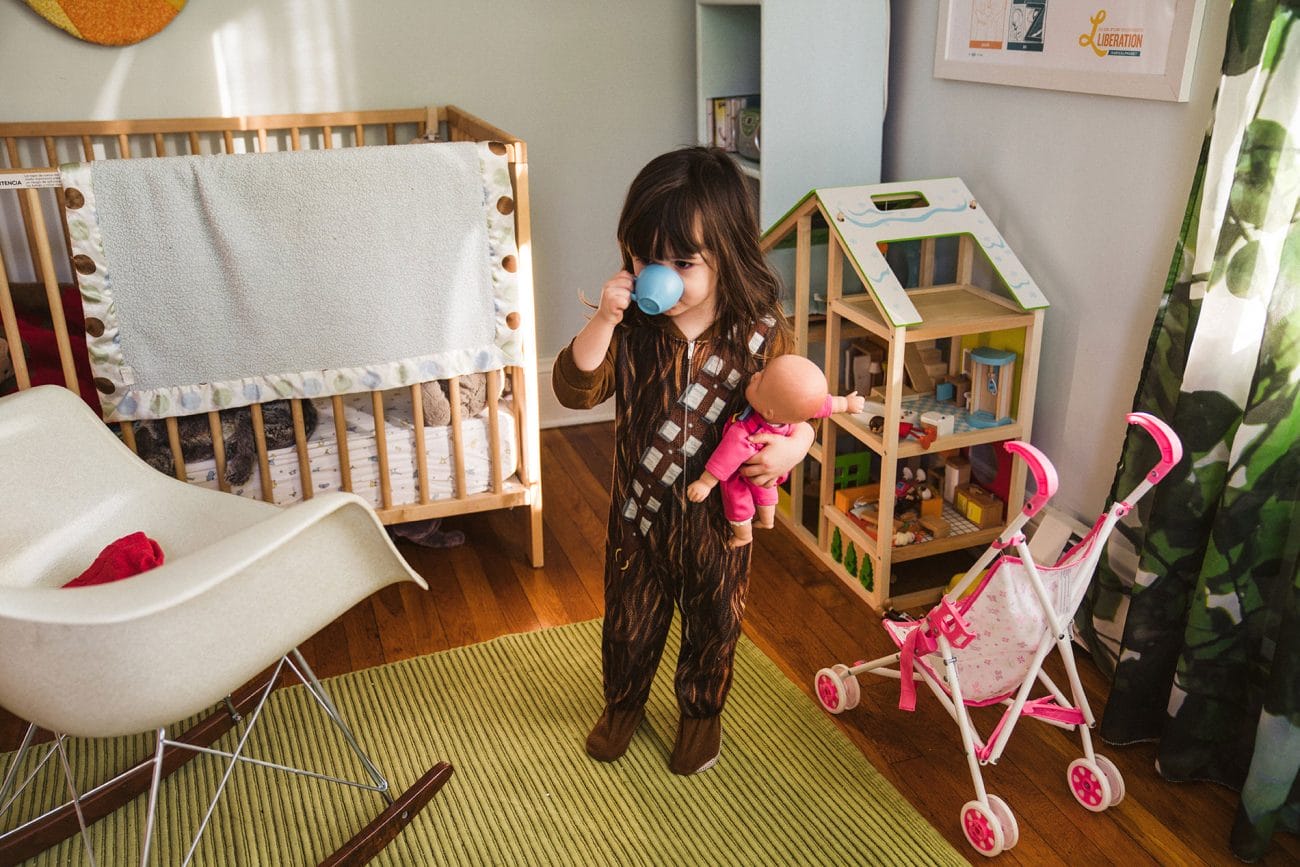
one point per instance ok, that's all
(657, 289)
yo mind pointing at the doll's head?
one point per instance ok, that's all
(789, 389)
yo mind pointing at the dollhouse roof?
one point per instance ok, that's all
(860, 219)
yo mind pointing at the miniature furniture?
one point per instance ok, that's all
(990, 371)
(972, 292)
(372, 440)
(242, 585)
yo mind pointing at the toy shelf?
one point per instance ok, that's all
(914, 551)
(953, 310)
(858, 426)
(986, 317)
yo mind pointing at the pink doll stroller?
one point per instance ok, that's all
(998, 637)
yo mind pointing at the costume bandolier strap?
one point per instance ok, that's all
(700, 404)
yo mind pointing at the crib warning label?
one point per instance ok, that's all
(11, 180)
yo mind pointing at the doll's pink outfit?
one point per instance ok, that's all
(740, 496)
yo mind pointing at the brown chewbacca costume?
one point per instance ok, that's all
(672, 397)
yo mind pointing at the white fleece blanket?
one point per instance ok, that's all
(217, 281)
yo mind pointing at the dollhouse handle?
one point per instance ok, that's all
(1171, 447)
(1045, 479)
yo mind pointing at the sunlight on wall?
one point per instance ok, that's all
(109, 96)
(284, 57)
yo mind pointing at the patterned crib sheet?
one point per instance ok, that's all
(363, 456)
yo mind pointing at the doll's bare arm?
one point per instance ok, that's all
(851, 402)
(699, 489)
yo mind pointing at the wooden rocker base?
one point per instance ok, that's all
(57, 825)
(372, 839)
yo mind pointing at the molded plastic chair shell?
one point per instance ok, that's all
(243, 582)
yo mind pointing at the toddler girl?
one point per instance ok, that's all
(674, 378)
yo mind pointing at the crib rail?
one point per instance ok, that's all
(38, 274)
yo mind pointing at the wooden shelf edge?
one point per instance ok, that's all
(915, 551)
(911, 448)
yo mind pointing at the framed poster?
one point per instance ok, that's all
(1136, 48)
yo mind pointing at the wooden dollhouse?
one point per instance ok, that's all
(959, 334)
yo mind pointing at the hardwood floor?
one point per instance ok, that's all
(804, 619)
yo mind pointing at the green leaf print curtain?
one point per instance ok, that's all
(1196, 605)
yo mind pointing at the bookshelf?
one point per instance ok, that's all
(820, 68)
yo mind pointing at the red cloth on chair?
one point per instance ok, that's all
(128, 556)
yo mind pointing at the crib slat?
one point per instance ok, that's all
(194, 142)
(9, 319)
(128, 436)
(341, 439)
(24, 208)
(295, 142)
(261, 140)
(327, 137)
(360, 132)
(52, 160)
(494, 429)
(228, 139)
(421, 453)
(381, 449)
(159, 146)
(124, 146)
(457, 442)
(259, 437)
(174, 439)
(300, 440)
(218, 449)
(45, 258)
(391, 130)
(517, 388)
(88, 148)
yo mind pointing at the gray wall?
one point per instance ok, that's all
(595, 87)
(1089, 191)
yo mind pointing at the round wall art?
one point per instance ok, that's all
(108, 22)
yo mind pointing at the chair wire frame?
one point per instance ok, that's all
(11, 788)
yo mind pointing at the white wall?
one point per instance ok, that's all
(595, 87)
(1089, 191)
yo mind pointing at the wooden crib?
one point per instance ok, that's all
(38, 279)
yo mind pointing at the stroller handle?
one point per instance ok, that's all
(1045, 478)
(1171, 448)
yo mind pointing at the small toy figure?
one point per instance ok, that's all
(791, 389)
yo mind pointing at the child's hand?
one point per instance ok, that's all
(856, 402)
(698, 491)
(615, 296)
(779, 454)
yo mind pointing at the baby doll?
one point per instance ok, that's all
(791, 389)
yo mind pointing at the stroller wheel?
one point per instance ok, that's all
(1010, 828)
(852, 689)
(830, 690)
(982, 829)
(1089, 785)
(1113, 777)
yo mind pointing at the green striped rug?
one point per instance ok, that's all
(511, 715)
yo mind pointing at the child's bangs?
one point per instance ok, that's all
(665, 233)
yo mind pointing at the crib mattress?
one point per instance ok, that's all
(363, 456)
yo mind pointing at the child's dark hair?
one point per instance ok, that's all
(695, 200)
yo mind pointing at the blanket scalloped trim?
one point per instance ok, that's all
(114, 380)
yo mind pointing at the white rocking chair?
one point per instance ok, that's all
(243, 584)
